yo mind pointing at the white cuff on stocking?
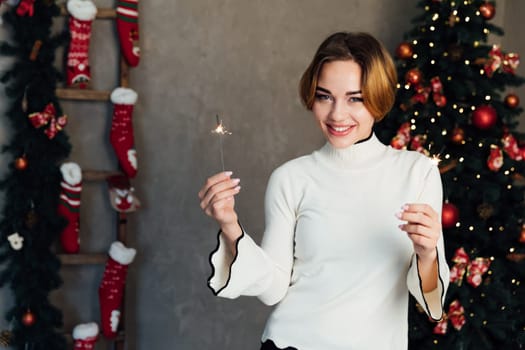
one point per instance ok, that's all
(85, 331)
(83, 10)
(71, 173)
(124, 96)
(121, 254)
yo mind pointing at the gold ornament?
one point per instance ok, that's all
(485, 211)
(31, 219)
(5, 337)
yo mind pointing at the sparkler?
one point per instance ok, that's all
(220, 130)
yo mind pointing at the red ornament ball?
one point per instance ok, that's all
(28, 319)
(487, 10)
(512, 100)
(457, 136)
(449, 215)
(21, 163)
(484, 117)
(404, 51)
(414, 76)
(522, 235)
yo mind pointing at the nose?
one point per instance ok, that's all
(339, 112)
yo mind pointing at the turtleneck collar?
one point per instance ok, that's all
(359, 156)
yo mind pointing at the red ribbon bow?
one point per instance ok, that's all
(403, 139)
(423, 92)
(474, 269)
(456, 315)
(510, 146)
(47, 117)
(26, 7)
(508, 62)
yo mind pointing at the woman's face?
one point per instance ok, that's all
(338, 105)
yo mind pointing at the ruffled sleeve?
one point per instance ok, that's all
(432, 302)
(263, 271)
(246, 273)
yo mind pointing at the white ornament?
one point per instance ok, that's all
(16, 241)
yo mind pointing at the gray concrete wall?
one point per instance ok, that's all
(239, 59)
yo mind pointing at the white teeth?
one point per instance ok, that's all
(340, 128)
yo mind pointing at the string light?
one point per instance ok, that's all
(471, 228)
(431, 44)
(467, 19)
(491, 229)
(481, 71)
(487, 98)
(414, 56)
(486, 31)
(414, 42)
(478, 176)
(461, 159)
(435, 17)
(458, 224)
(433, 61)
(480, 144)
(467, 62)
(407, 86)
(444, 132)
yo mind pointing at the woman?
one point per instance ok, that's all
(350, 229)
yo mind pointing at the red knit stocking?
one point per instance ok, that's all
(69, 205)
(121, 134)
(128, 30)
(111, 288)
(82, 14)
(85, 336)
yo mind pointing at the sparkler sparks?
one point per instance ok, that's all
(221, 130)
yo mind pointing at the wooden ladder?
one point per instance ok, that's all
(99, 175)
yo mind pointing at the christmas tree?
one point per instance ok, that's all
(30, 221)
(454, 102)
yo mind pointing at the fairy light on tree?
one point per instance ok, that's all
(450, 95)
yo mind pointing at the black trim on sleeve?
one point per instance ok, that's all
(233, 261)
(442, 289)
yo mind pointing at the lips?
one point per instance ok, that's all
(339, 130)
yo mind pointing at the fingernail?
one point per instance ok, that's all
(236, 181)
(228, 173)
(238, 188)
(398, 215)
(404, 207)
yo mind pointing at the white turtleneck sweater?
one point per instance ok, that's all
(332, 256)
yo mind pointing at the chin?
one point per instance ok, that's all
(341, 143)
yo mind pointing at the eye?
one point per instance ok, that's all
(355, 99)
(322, 97)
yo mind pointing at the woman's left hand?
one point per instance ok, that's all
(423, 227)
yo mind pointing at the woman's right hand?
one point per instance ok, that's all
(218, 202)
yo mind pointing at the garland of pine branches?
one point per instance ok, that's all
(32, 183)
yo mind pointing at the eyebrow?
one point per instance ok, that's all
(348, 93)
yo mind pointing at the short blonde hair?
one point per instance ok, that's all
(379, 77)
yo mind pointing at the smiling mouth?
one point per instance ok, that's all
(339, 130)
